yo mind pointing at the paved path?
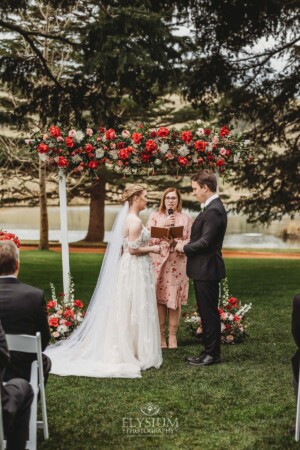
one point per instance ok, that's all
(226, 253)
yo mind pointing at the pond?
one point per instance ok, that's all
(24, 222)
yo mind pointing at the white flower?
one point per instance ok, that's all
(236, 157)
(28, 141)
(104, 138)
(78, 317)
(247, 142)
(79, 135)
(114, 154)
(200, 132)
(76, 158)
(198, 121)
(125, 134)
(164, 148)
(157, 162)
(183, 150)
(43, 157)
(62, 328)
(99, 153)
(222, 327)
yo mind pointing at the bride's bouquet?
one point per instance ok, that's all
(232, 314)
(64, 313)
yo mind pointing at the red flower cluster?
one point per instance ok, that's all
(141, 147)
(6, 236)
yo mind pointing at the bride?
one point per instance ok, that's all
(119, 335)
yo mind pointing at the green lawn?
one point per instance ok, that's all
(245, 403)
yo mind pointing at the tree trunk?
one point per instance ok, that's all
(96, 222)
(44, 242)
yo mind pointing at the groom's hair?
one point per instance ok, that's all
(9, 257)
(207, 177)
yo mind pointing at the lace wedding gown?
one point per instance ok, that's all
(120, 335)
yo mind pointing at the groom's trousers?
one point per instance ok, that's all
(207, 295)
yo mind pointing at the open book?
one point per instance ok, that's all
(161, 232)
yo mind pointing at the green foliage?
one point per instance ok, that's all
(245, 403)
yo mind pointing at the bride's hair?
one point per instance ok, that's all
(131, 191)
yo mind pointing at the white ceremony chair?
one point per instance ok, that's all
(2, 442)
(32, 344)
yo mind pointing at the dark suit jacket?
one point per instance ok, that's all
(204, 251)
(296, 335)
(22, 311)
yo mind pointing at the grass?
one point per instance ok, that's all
(245, 403)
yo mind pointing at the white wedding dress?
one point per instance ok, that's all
(119, 335)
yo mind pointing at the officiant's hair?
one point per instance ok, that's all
(131, 191)
(9, 257)
(207, 177)
(162, 207)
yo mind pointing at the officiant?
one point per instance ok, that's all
(169, 266)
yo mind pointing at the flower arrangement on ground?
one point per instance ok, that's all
(233, 318)
(64, 313)
(141, 147)
(6, 236)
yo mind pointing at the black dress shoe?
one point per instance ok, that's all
(206, 360)
(196, 358)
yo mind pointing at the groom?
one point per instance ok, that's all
(205, 264)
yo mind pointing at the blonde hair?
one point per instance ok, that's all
(130, 191)
(162, 207)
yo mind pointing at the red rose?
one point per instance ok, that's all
(227, 327)
(200, 145)
(130, 149)
(62, 162)
(220, 162)
(54, 131)
(153, 134)
(102, 130)
(136, 137)
(227, 152)
(186, 136)
(182, 161)
(224, 131)
(78, 303)
(124, 154)
(43, 148)
(233, 301)
(67, 323)
(207, 131)
(53, 322)
(93, 165)
(236, 318)
(88, 148)
(51, 304)
(221, 311)
(210, 157)
(145, 157)
(120, 145)
(200, 160)
(163, 132)
(228, 306)
(151, 146)
(69, 314)
(69, 142)
(110, 134)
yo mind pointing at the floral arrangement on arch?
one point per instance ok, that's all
(6, 236)
(141, 148)
(233, 318)
(64, 313)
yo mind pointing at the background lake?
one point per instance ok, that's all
(24, 222)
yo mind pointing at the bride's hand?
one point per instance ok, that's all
(155, 249)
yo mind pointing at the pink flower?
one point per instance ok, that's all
(45, 137)
(223, 151)
(89, 132)
(125, 134)
(215, 140)
(72, 133)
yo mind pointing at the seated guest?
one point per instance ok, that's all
(17, 396)
(22, 311)
(296, 335)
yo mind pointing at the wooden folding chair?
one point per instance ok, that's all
(32, 344)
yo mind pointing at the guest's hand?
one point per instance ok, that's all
(155, 249)
(179, 247)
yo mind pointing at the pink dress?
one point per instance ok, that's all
(172, 284)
